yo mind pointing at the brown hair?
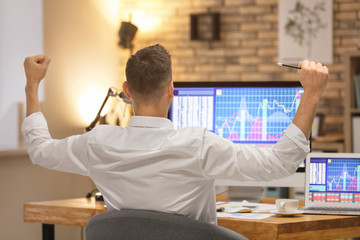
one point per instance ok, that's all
(148, 71)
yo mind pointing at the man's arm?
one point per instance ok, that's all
(69, 154)
(35, 70)
(313, 77)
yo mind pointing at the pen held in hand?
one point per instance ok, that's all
(288, 65)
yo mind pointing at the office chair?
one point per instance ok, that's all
(151, 225)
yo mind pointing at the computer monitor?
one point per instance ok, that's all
(254, 113)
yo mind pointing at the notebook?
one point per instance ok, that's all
(332, 183)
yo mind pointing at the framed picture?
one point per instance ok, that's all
(305, 31)
(317, 126)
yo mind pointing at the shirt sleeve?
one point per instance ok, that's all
(68, 154)
(222, 159)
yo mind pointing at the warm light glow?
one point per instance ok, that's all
(144, 21)
(110, 10)
(90, 102)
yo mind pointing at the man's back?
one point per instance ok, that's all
(149, 165)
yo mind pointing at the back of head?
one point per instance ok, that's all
(148, 71)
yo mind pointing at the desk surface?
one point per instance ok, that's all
(297, 227)
(71, 212)
(76, 212)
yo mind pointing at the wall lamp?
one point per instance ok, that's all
(127, 33)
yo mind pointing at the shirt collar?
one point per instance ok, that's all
(150, 122)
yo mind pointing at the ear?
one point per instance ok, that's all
(171, 89)
(126, 90)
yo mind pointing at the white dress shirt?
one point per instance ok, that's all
(150, 165)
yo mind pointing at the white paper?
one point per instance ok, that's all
(232, 207)
(243, 215)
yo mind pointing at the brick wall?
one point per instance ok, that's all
(247, 50)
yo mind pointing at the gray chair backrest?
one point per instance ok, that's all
(150, 225)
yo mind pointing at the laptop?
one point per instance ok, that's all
(332, 183)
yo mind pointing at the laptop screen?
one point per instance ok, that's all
(333, 179)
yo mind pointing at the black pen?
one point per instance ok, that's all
(287, 65)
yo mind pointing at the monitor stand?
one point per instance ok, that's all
(250, 194)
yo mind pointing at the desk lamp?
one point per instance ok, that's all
(112, 92)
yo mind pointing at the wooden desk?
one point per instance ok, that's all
(295, 228)
(76, 212)
(70, 212)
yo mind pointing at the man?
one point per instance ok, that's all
(149, 164)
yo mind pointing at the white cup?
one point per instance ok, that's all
(287, 205)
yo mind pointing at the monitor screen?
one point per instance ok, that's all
(254, 113)
(334, 180)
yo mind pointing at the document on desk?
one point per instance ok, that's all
(245, 206)
(243, 215)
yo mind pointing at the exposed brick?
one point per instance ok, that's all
(266, 2)
(238, 68)
(290, 76)
(209, 68)
(250, 60)
(331, 93)
(336, 41)
(230, 27)
(227, 76)
(228, 10)
(181, 68)
(257, 43)
(268, 68)
(236, 19)
(345, 16)
(335, 85)
(176, 4)
(253, 10)
(191, 61)
(349, 6)
(336, 68)
(255, 26)
(241, 52)
(267, 18)
(186, 11)
(206, 3)
(232, 44)
(240, 35)
(238, 2)
(191, 77)
(343, 50)
(183, 52)
(267, 52)
(267, 34)
(350, 41)
(256, 77)
(248, 49)
(348, 24)
(210, 52)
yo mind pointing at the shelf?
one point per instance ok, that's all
(352, 67)
(13, 153)
(355, 111)
(327, 146)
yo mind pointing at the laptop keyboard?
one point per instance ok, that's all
(333, 211)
